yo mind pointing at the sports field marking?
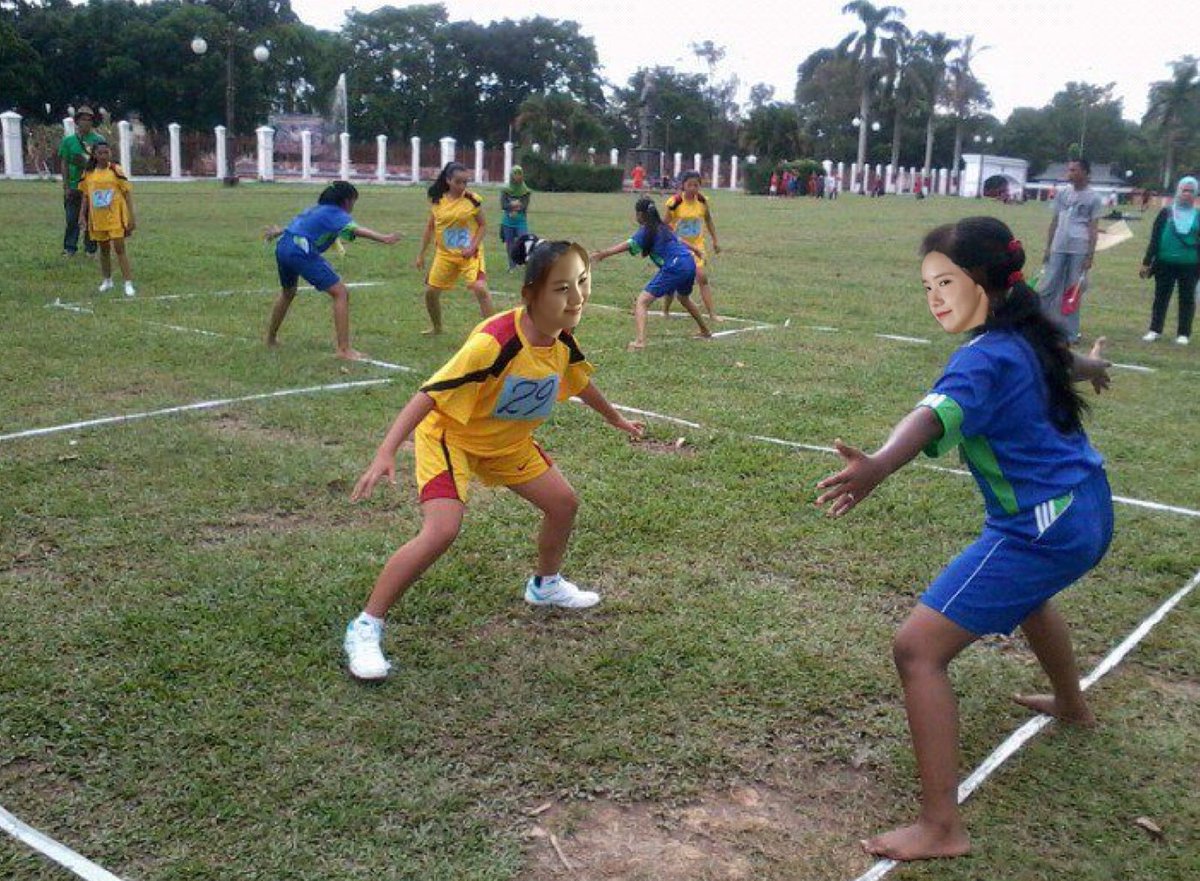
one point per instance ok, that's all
(231, 293)
(185, 408)
(919, 340)
(59, 853)
(1136, 367)
(1026, 732)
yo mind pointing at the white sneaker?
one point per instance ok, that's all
(1181, 340)
(561, 593)
(105, 285)
(1151, 336)
(129, 290)
(364, 657)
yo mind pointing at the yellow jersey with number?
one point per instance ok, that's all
(498, 388)
(455, 222)
(105, 190)
(687, 218)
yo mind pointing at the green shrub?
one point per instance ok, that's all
(570, 177)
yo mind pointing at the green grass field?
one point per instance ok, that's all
(173, 590)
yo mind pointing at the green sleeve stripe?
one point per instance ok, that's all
(348, 232)
(951, 416)
(978, 453)
(633, 248)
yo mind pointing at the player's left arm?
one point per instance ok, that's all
(132, 224)
(593, 397)
(712, 229)
(1093, 237)
(362, 232)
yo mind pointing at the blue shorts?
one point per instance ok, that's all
(1020, 561)
(294, 264)
(675, 277)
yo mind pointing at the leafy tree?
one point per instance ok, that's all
(933, 49)
(877, 22)
(773, 132)
(1172, 106)
(967, 96)
(827, 98)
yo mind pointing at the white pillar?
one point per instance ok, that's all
(14, 154)
(125, 145)
(176, 160)
(305, 155)
(381, 158)
(68, 126)
(508, 161)
(716, 171)
(266, 152)
(479, 162)
(678, 164)
(344, 169)
(943, 181)
(733, 172)
(890, 181)
(614, 156)
(878, 171)
(415, 145)
(696, 162)
(853, 188)
(827, 165)
(448, 144)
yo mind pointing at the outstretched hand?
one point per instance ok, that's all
(852, 484)
(381, 467)
(635, 430)
(1095, 369)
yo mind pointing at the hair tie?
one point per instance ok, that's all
(1014, 246)
(1014, 277)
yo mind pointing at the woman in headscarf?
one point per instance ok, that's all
(514, 203)
(1173, 258)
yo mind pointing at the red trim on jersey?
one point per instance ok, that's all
(503, 328)
(441, 487)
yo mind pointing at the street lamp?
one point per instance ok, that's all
(979, 139)
(670, 119)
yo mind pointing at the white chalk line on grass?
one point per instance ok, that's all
(186, 408)
(59, 853)
(1026, 732)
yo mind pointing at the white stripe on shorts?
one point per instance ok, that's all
(982, 563)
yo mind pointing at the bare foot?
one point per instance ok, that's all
(431, 331)
(272, 343)
(703, 335)
(635, 346)
(1048, 704)
(350, 355)
(920, 841)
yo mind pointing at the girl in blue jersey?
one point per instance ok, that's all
(676, 262)
(1007, 401)
(298, 255)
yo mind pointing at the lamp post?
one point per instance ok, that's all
(260, 54)
(667, 144)
(875, 126)
(979, 139)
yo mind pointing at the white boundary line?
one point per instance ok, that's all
(919, 340)
(1026, 732)
(59, 853)
(199, 405)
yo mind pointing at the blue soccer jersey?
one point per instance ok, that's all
(665, 247)
(993, 404)
(316, 228)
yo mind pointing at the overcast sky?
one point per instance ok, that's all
(1035, 46)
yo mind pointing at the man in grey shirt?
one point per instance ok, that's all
(1070, 244)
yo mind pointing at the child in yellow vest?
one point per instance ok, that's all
(689, 214)
(456, 222)
(107, 213)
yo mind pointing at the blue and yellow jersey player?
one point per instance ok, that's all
(456, 224)
(676, 262)
(1007, 401)
(476, 417)
(689, 214)
(298, 255)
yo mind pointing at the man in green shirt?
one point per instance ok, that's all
(73, 153)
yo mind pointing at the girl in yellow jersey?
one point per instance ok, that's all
(688, 214)
(456, 223)
(476, 416)
(107, 213)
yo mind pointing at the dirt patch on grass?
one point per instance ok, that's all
(758, 832)
(680, 446)
(244, 427)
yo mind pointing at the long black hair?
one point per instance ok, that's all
(92, 164)
(338, 193)
(538, 255)
(647, 214)
(984, 248)
(441, 186)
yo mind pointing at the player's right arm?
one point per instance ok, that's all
(384, 463)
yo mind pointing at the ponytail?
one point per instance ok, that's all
(986, 250)
(441, 186)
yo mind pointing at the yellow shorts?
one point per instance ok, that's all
(446, 270)
(699, 260)
(444, 471)
(105, 235)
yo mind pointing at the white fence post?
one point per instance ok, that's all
(508, 161)
(68, 126)
(716, 171)
(14, 154)
(305, 154)
(614, 156)
(678, 166)
(733, 172)
(478, 162)
(381, 158)
(415, 144)
(344, 167)
(447, 144)
(266, 152)
(176, 160)
(220, 154)
(696, 163)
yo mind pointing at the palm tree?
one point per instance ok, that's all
(1170, 101)
(967, 93)
(876, 21)
(898, 60)
(934, 49)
